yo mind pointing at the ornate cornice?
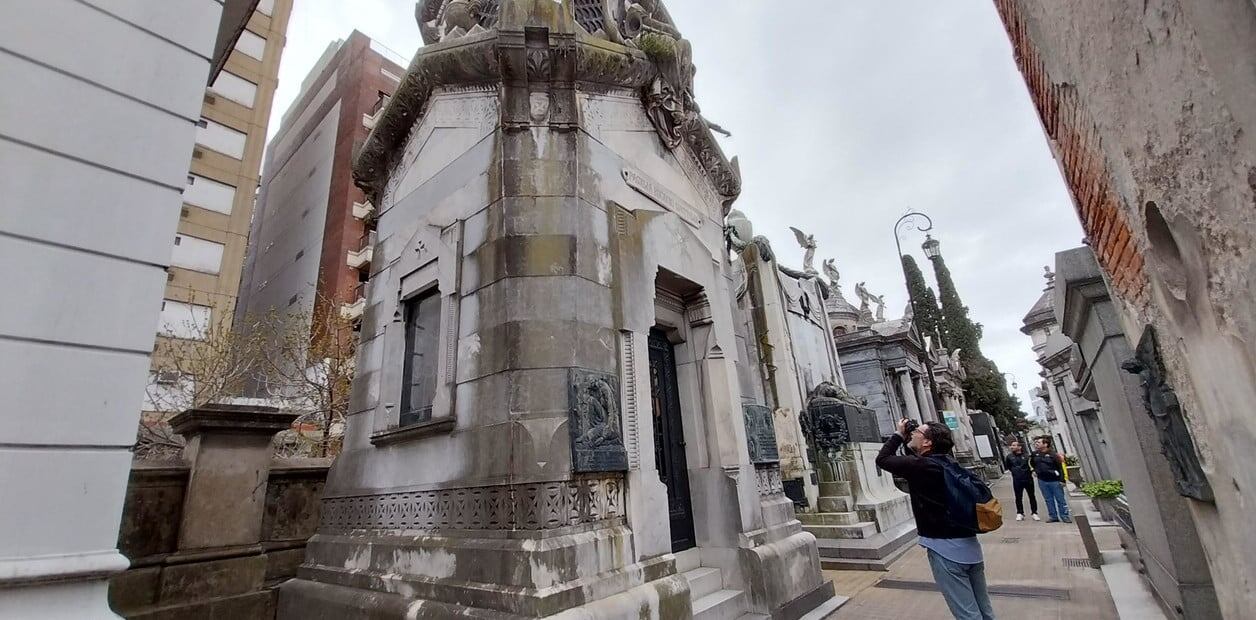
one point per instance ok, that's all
(487, 57)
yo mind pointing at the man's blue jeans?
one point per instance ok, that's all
(963, 586)
(1057, 501)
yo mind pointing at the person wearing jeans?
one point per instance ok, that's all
(954, 553)
(1049, 467)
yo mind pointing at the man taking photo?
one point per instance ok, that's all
(1049, 467)
(1017, 462)
(954, 553)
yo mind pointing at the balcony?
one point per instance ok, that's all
(362, 210)
(370, 118)
(362, 256)
(353, 311)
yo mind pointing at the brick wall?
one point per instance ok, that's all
(1079, 152)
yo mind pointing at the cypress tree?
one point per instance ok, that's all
(985, 387)
(924, 303)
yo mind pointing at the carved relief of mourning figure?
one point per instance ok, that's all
(601, 415)
(1165, 410)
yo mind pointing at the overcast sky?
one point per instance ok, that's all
(845, 115)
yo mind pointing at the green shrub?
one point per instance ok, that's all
(1071, 460)
(1103, 489)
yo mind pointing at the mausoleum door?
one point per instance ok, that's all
(669, 439)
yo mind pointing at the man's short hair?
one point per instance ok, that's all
(940, 435)
(1044, 439)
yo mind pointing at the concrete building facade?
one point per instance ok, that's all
(311, 235)
(207, 252)
(94, 153)
(1149, 110)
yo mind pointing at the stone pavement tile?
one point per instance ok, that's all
(1025, 553)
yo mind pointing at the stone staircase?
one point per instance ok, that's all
(848, 537)
(711, 599)
(836, 517)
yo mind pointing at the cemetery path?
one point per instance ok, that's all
(1027, 569)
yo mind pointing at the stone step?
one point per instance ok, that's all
(754, 616)
(688, 560)
(875, 547)
(720, 605)
(834, 489)
(844, 503)
(871, 564)
(703, 581)
(863, 529)
(829, 518)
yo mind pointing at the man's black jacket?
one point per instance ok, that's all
(927, 487)
(1019, 465)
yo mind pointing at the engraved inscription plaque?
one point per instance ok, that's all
(760, 434)
(861, 424)
(664, 197)
(593, 418)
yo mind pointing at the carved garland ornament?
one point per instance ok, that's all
(509, 506)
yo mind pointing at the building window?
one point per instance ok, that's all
(235, 88)
(209, 194)
(220, 138)
(422, 331)
(251, 45)
(183, 320)
(197, 254)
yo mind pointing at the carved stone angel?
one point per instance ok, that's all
(830, 271)
(808, 243)
(879, 300)
(861, 291)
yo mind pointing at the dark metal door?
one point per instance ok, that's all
(669, 440)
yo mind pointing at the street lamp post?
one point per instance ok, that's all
(917, 221)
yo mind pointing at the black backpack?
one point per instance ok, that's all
(969, 503)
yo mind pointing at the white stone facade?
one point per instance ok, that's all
(95, 155)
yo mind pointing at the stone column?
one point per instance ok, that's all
(220, 559)
(909, 394)
(925, 402)
(1167, 538)
(228, 451)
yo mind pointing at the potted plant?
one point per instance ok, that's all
(1103, 494)
(1074, 468)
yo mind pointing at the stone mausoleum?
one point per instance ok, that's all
(548, 418)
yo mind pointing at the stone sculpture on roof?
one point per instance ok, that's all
(879, 300)
(808, 243)
(831, 272)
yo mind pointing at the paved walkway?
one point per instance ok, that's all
(1025, 570)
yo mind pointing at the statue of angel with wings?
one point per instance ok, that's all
(830, 271)
(808, 243)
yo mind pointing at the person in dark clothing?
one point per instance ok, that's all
(954, 554)
(1017, 462)
(1049, 467)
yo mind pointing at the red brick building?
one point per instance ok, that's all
(309, 245)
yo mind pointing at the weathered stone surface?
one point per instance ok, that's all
(151, 514)
(201, 580)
